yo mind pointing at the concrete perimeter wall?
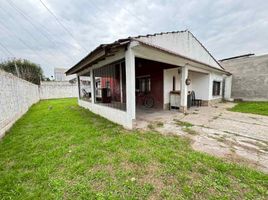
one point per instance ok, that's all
(16, 97)
(58, 89)
(249, 77)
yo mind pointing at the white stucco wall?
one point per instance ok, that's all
(183, 43)
(16, 97)
(199, 84)
(112, 114)
(58, 89)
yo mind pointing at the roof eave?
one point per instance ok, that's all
(102, 50)
(179, 55)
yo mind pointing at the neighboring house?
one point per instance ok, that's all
(249, 76)
(131, 72)
(59, 75)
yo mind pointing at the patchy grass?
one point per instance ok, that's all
(59, 150)
(190, 131)
(156, 124)
(182, 123)
(159, 124)
(260, 108)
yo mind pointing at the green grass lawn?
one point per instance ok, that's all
(59, 150)
(260, 108)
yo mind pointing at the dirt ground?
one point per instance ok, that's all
(234, 136)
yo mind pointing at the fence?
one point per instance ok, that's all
(18, 95)
(57, 89)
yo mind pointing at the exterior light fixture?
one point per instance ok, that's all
(188, 81)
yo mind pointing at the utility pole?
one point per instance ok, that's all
(16, 67)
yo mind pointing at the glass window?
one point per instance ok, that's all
(216, 88)
(143, 84)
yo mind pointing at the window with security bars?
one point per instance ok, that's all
(216, 88)
(143, 84)
(110, 85)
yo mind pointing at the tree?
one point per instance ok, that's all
(24, 69)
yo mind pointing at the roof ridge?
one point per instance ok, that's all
(159, 33)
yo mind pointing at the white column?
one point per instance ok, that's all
(78, 85)
(228, 88)
(210, 87)
(92, 85)
(184, 89)
(130, 86)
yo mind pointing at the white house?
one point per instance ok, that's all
(159, 71)
(59, 75)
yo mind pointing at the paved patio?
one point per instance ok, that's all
(217, 131)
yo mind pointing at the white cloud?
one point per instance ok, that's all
(225, 27)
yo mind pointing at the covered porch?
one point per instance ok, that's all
(118, 86)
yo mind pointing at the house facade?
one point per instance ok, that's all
(158, 71)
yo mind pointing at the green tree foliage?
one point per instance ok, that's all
(24, 69)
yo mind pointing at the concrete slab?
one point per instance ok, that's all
(219, 132)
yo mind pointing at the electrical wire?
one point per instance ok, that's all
(61, 24)
(24, 43)
(27, 18)
(28, 32)
(127, 10)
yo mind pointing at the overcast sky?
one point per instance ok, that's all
(27, 30)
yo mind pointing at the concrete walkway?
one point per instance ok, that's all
(235, 136)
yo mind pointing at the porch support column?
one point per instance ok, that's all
(92, 86)
(130, 86)
(184, 88)
(78, 84)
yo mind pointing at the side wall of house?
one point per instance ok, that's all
(58, 89)
(249, 77)
(199, 84)
(112, 114)
(183, 43)
(16, 97)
